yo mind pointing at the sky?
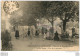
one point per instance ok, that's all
(5, 16)
(19, 13)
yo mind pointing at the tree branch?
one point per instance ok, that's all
(49, 20)
(61, 18)
(68, 19)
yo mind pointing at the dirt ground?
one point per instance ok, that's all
(31, 43)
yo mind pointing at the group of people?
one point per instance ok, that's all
(46, 33)
(36, 32)
(56, 36)
(28, 33)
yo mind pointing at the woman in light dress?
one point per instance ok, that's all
(46, 35)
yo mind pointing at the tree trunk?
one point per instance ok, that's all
(35, 26)
(52, 28)
(14, 28)
(64, 25)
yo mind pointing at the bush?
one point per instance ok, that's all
(65, 36)
(6, 38)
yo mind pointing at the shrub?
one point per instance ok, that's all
(6, 38)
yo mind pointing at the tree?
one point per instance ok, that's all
(15, 19)
(35, 11)
(67, 11)
(27, 14)
(64, 10)
(51, 12)
(31, 12)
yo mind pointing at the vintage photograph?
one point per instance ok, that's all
(40, 25)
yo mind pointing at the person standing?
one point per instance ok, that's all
(47, 35)
(44, 36)
(43, 30)
(73, 32)
(17, 34)
(51, 31)
(56, 36)
(37, 32)
(28, 31)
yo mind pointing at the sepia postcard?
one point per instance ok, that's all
(40, 25)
